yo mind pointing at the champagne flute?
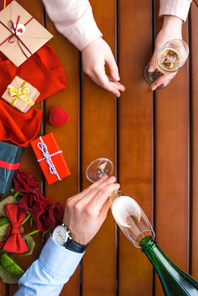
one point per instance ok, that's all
(170, 58)
(135, 225)
(127, 213)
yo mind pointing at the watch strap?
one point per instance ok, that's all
(74, 246)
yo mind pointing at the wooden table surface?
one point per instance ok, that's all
(151, 137)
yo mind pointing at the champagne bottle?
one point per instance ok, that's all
(174, 281)
(135, 225)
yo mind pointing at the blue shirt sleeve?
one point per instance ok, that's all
(48, 274)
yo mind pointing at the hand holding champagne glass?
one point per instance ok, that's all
(126, 212)
(170, 58)
(135, 225)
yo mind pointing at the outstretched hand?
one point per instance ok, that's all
(172, 29)
(95, 56)
(86, 211)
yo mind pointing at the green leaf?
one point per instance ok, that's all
(7, 200)
(30, 243)
(8, 277)
(3, 230)
(10, 264)
(4, 220)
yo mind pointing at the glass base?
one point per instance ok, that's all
(150, 77)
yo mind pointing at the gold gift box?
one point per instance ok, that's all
(21, 94)
(20, 34)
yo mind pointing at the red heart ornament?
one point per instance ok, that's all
(20, 30)
(58, 116)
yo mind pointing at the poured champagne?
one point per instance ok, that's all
(170, 58)
(130, 218)
(135, 225)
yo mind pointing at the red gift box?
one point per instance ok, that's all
(50, 158)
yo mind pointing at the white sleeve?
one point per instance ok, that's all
(74, 19)
(178, 8)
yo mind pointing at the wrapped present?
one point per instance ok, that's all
(21, 35)
(21, 94)
(50, 158)
(10, 156)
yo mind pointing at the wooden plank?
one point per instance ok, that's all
(66, 135)
(172, 168)
(194, 157)
(135, 136)
(98, 140)
(3, 288)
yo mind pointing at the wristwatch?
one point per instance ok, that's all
(61, 235)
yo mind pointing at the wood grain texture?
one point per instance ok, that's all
(150, 137)
(135, 136)
(98, 140)
(194, 141)
(67, 135)
(172, 122)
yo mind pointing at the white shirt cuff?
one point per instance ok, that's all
(178, 8)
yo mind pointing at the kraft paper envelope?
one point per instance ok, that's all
(27, 36)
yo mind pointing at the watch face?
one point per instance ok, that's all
(60, 235)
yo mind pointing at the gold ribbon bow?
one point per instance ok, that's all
(19, 93)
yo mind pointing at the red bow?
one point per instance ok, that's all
(15, 243)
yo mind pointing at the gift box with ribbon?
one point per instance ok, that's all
(10, 156)
(50, 158)
(21, 94)
(21, 35)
